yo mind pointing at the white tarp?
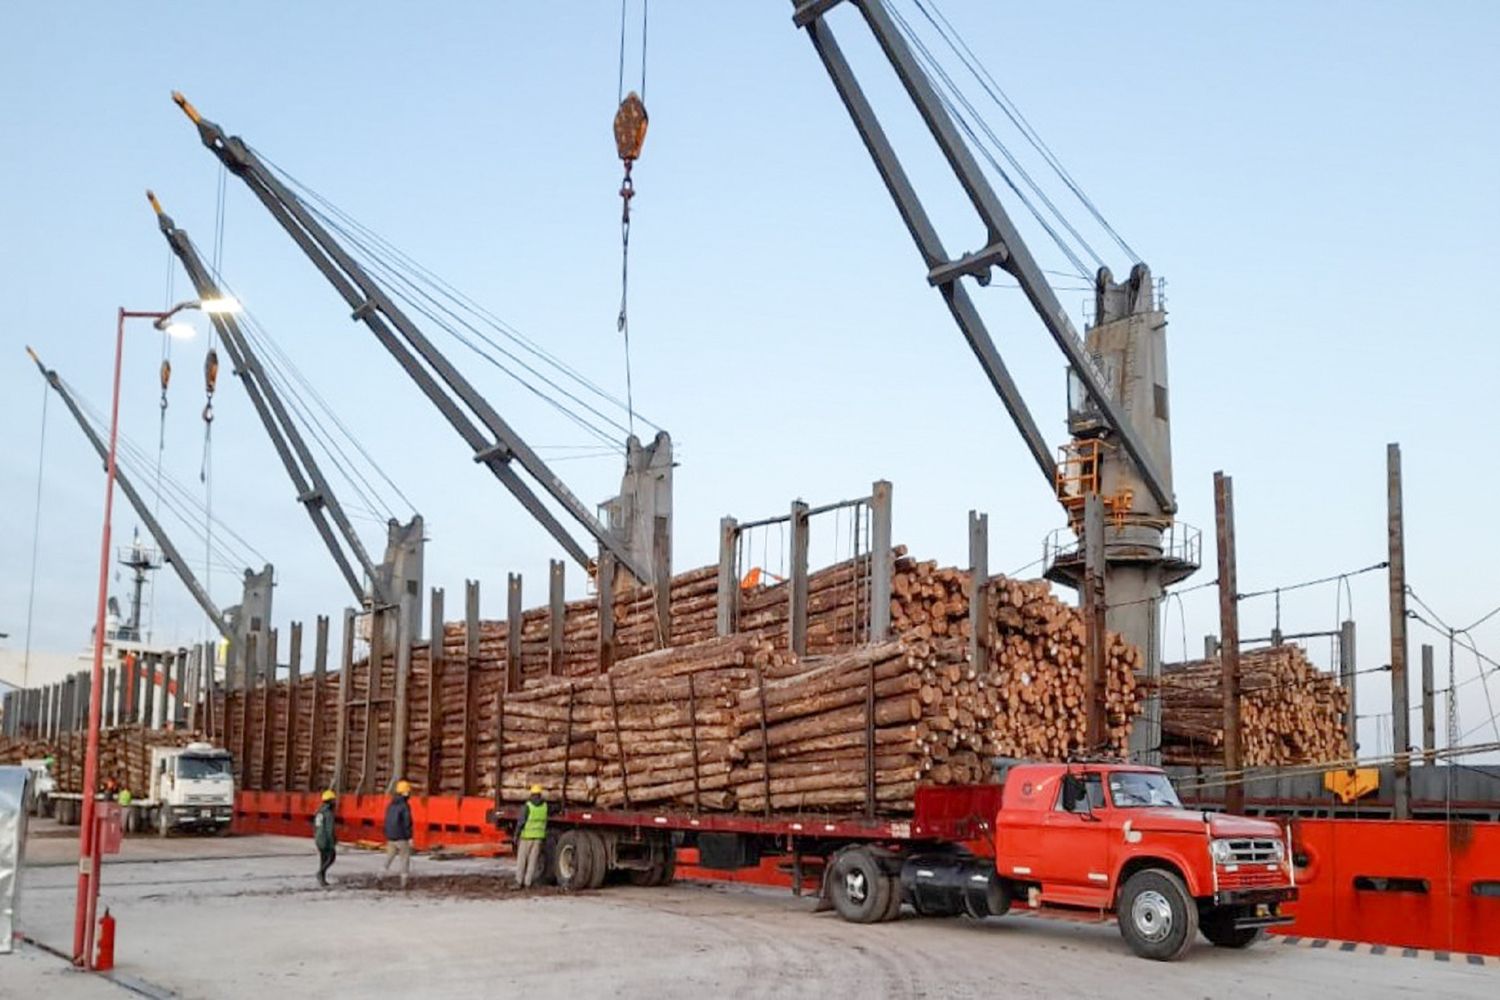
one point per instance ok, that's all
(13, 810)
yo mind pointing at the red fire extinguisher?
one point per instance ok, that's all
(105, 960)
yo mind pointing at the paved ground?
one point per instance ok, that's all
(240, 917)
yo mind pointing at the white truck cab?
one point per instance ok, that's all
(191, 787)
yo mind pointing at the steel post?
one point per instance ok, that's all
(513, 612)
(1429, 708)
(1349, 677)
(729, 584)
(797, 580)
(882, 561)
(556, 615)
(979, 581)
(1095, 606)
(1400, 689)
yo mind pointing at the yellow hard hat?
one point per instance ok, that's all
(536, 789)
(403, 787)
(328, 795)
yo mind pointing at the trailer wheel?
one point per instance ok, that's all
(575, 860)
(660, 873)
(1218, 927)
(861, 891)
(893, 909)
(600, 868)
(1157, 917)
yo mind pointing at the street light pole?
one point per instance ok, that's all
(88, 869)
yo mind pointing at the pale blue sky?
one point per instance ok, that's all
(1316, 182)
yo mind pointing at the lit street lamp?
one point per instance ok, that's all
(88, 846)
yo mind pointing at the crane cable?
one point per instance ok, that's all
(36, 534)
(630, 126)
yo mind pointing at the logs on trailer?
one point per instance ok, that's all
(1290, 712)
(850, 727)
(124, 755)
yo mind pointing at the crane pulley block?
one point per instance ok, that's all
(631, 121)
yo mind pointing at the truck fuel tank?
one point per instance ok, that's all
(946, 885)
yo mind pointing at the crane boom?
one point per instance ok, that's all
(1005, 248)
(496, 443)
(313, 491)
(169, 551)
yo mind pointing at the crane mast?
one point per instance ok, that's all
(1120, 450)
(493, 442)
(252, 615)
(401, 570)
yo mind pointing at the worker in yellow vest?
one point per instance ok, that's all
(531, 830)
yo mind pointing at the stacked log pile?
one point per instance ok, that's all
(124, 754)
(13, 751)
(1290, 712)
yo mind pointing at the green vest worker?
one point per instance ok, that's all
(531, 831)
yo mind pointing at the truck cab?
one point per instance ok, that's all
(1115, 838)
(192, 787)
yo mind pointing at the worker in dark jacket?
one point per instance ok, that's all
(325, 837)
(398, 829)
(531, 830)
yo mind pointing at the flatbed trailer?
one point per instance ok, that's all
(585, 844)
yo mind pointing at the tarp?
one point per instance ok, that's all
(14, 800)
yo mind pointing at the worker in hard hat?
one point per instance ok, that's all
(531, 830)
(398, 829)
(324, 836)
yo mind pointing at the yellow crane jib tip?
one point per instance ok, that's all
(187, 107)
(155, 205)
(32, 355)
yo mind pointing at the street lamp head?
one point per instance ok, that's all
(220, 305)
(176, 329)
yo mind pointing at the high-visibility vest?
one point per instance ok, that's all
(535, 827)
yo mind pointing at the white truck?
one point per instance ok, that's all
(43, 786)
(190, 787)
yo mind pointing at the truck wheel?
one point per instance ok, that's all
(660, 873)
(1157, 917)
(163, 821)
(575, 860)
(600, 869)
(861, 891)
(893, 910)
(1218, 927)
(996, 902)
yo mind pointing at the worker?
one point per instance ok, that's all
(124, 797)
(111, 788)
(531, 830)
(398, 829)
(324, 836)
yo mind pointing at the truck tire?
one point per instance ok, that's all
(600, 869)
(861, 892)
(996, 902)
(660, 873)
(1157, 916)
(1218, 927)
(893, 910)
(575, 860)
(163, 821)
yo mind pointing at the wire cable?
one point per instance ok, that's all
(987, 82)
(36, 535)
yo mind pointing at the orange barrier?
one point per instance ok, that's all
(1406, 884)
(436, 819)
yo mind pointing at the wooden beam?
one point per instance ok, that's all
(268, 713)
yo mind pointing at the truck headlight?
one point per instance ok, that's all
(1278, 849)
(1220, 852)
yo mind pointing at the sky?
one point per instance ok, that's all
(1317, 184)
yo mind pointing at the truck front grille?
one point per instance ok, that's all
(1250, 852)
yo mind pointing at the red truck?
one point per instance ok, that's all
(1078, 840)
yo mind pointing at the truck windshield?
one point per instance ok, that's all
(1137, 789)
(202, 767)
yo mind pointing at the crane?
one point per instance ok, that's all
(397, 579)
(493, 442)
(1120, 452)
(252, 616)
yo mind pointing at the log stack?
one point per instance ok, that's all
(1290, 712)
(124, 754)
